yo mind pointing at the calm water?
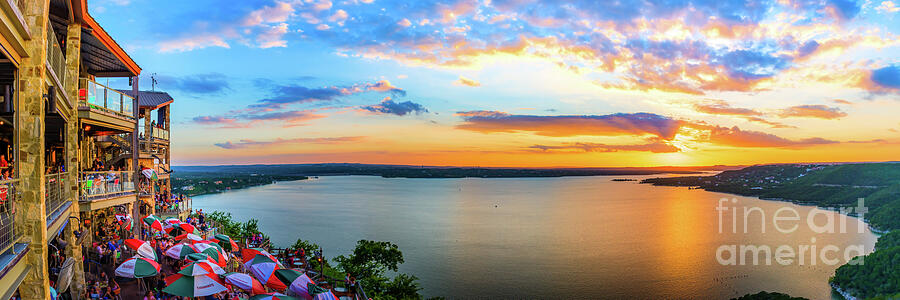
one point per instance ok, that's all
(582, 237)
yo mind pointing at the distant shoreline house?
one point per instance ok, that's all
(71, 147)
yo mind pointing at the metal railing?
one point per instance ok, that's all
(55, 195)
(105, 184)
(56, 57)
(100, 97)
(8, 198)
(156, 133)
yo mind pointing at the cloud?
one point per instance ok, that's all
(272, 36)
(654, 147)
(842, 101)
(385, 86)
(292, 116)
(388, 106)
(224, 122)
(404, 23)
(587, 125)
(463, 81)
(209, 83)
(242, 144)
(888, 7)
(719, 107)
(813, 111)
(245, 120)
(193, 42)
(735, 137)
(277, 13)
(285, 94)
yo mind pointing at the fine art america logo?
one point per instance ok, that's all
(787, 220)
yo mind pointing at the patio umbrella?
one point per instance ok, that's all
(273, 296)
(297, 281)
(124, 221)
(263, 268)
(193, 286)
(189, 236)
(138, 267)
(197, 256)
(244, 282)
(226, 242)
(173, 221)
(201, 267)
(248, 254)
(153, 222)
(150, 174)
(213, 250)
(180, 251)
(326, 295)
(188, 227)
(143, 248)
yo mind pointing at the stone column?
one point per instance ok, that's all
(31, 220)
(73, 66)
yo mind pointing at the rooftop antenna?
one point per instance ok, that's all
(153, 82)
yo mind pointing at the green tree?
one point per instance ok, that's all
(370, 261)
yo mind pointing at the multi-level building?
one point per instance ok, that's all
(71, 148)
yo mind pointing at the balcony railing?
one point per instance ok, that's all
(102, 185)
(55, 195)
(93, 95)
(55, 56)
(156, 133)
(8, 197)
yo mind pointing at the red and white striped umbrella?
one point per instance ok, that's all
(190, 237)
(202, 267)
(244, 282)
(143, 248)
(188, 227)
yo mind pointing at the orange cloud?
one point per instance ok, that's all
(637, 124)
(719, 107)
(735, 137)
(654, 147)
(279, 141)
(813, 111)
(466, 82)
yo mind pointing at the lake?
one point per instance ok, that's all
(580, 237)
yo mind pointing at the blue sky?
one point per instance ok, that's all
(397, 81)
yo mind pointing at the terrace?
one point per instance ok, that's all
(106, 107)
(105, 188)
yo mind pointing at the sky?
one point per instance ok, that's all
(520, 83)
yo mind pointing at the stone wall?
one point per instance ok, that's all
(31, 215)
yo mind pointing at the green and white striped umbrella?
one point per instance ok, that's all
(226, 242)
(180, 251)
(193, 286)
(138, 267)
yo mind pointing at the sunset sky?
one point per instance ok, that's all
(520, 82)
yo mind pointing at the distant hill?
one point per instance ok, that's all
(437, 171)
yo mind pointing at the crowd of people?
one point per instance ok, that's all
(170, 203)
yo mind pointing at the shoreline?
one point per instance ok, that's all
(834, 287)
(241, 188)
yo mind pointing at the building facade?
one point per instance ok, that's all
(72, 149)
